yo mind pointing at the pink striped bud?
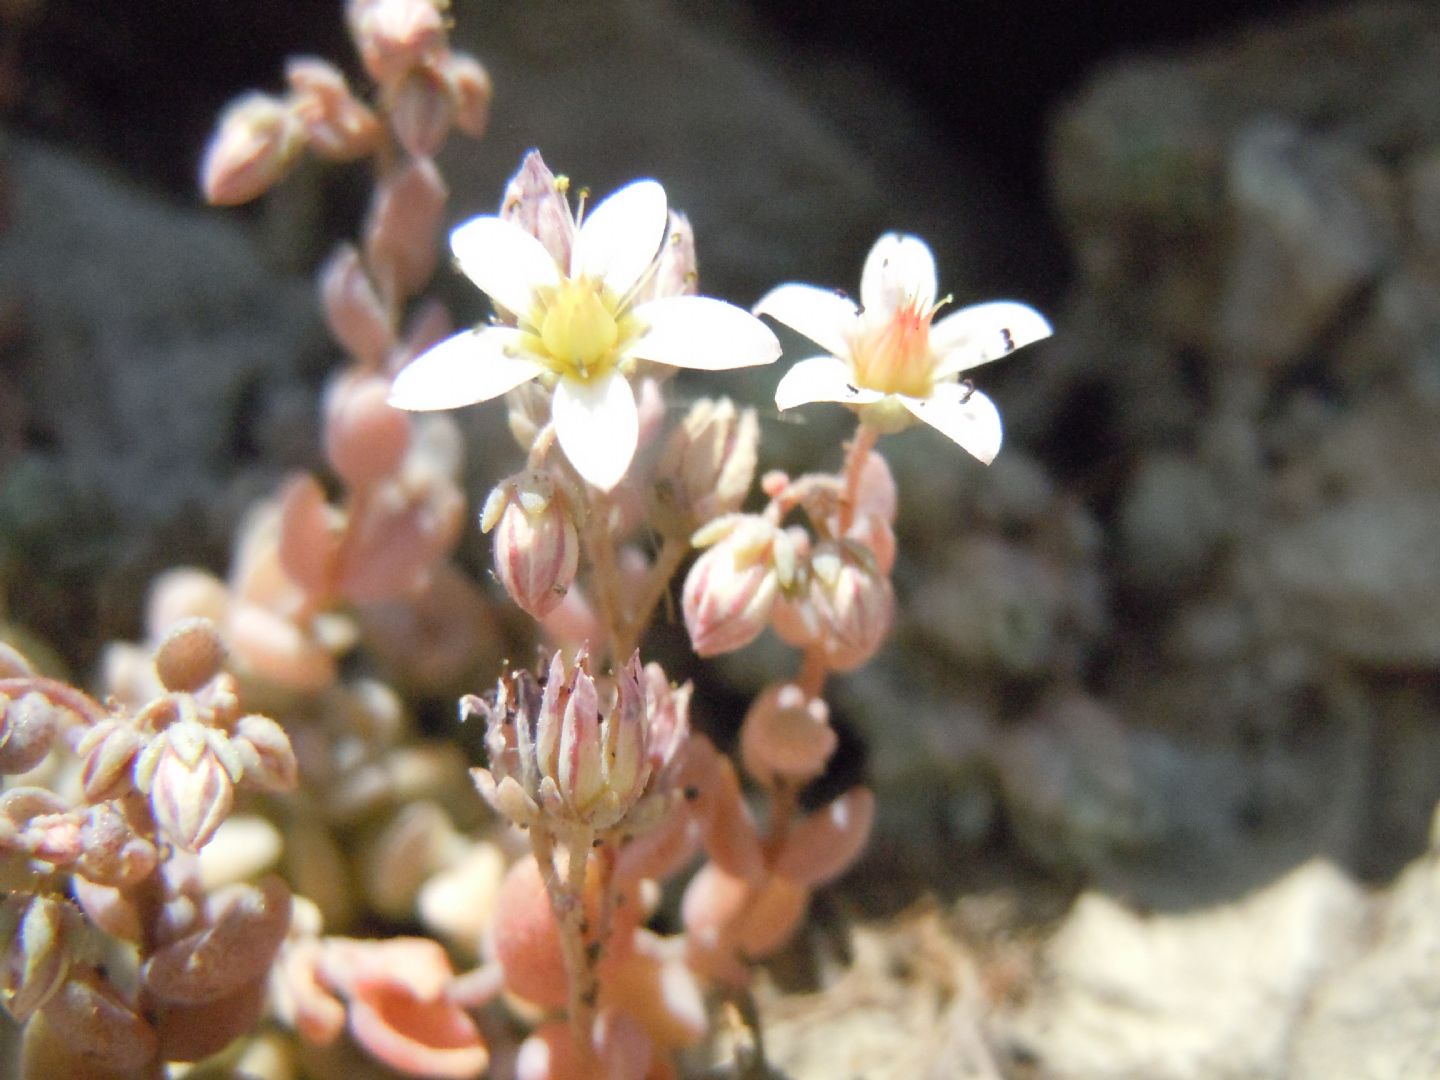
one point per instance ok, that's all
(535, 199)
(189, 772)
(852, 601)
(675, 270)
(786, 736)
(257, 141)
(537, 548)
(731, 588)
(265, 754)
(709, 462)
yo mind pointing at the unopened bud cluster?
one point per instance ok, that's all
(827, 592)
(571, 752)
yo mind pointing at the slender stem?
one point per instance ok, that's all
(544, 440)
(567, 903)
(605, 572)
(856, 454)
(813, 672)
(672, 553)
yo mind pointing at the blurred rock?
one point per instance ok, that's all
(157, 361)
(1211, 995)
(1362, 579)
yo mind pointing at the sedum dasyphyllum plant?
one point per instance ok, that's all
(121, 958)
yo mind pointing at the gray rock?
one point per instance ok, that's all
(1313, 227)
(155, 339)
(1362, 579)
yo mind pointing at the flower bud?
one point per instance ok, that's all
(786, 736)
(852, 601)
(731, 588)
(256, 143)
(471, 91)
(709, 461)
(537, 548)
(266, 754)
(189, 773)
(337, 124)
(189, 656)
(421, 110)
(535, 200)
(353, 310)
(35, 933)
(675, 271)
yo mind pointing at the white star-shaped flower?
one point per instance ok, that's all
(579, 329)
(886, 359)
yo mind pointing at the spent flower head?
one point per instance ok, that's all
(889, 359)
(575, 320)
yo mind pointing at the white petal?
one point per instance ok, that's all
(703, 333)
(621, 236)
(598, 426)
(504, 260)
(961, 414)
(471, 366)
(983, 332)
(821, 378)
(899, 270)
(821, 315)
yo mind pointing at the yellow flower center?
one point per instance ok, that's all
(894, 357)
(580, 327)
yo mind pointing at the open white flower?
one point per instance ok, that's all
(887, 361)
(579, 328)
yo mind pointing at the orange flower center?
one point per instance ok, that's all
(894, 357)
